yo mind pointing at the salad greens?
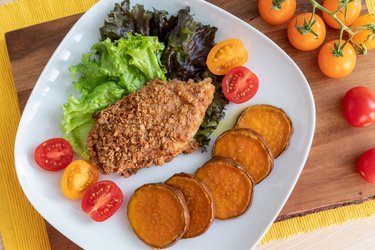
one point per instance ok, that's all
(138, 45)
(214, 114)
(123, 19)
(187, 47)
(77, 120)
(187, 44)
(109, 71)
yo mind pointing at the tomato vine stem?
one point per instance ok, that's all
(332, 14)
(306, 27)
(337, 50)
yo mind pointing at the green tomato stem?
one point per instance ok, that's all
(276, 4)
(337, 51)
(340, 37)
(306, 27)
(313, 12)
(332, 14)
(342, 5)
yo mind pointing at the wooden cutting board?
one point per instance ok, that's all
(329, 178)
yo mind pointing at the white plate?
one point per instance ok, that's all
(281, 84)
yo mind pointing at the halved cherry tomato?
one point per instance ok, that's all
(337, 65)
(54, 154)
(359, 106)
(305, 39)
(364, 36)
(102, 200)
(77, 178)
(276, 12)
(366, 166)
(240, 84)
(226, 55)
(348, 16)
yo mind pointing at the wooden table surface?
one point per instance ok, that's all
(328, 120)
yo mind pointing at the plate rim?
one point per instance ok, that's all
(229, 15)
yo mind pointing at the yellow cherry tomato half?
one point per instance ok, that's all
(333, 65)
(276, 12)
(307, 40)
(353, 9)
(364, 36)
(77, 178)
(226, 55)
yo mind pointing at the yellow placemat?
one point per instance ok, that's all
(21, 226)
(371, 6)
(312, 222)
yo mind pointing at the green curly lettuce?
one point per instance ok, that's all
(109, 71)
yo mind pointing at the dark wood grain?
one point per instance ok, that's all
(29, 50)
(329, 178)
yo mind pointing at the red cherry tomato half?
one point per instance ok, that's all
(102, 200)
(359, 106)
(366, 166)
(54, 154)
(240, 84)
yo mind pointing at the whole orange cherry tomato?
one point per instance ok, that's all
(306, 34)
(352, 9)
(334, 62)
(226, 55)
(276, 12)
(364, 36)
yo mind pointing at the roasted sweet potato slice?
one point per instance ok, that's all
(231, 186)
(269, 121)
(248, 148)
(158, 214)
(199, 201)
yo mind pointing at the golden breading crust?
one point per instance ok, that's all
(150, 126)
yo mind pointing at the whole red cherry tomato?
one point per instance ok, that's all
(366, 166)
(359, 106)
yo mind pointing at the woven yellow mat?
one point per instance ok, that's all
(21, 227)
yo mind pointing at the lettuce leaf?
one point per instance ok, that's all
(109, 71)
(123, 19)
(130, 62)
(188, 45)
(77, 120)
